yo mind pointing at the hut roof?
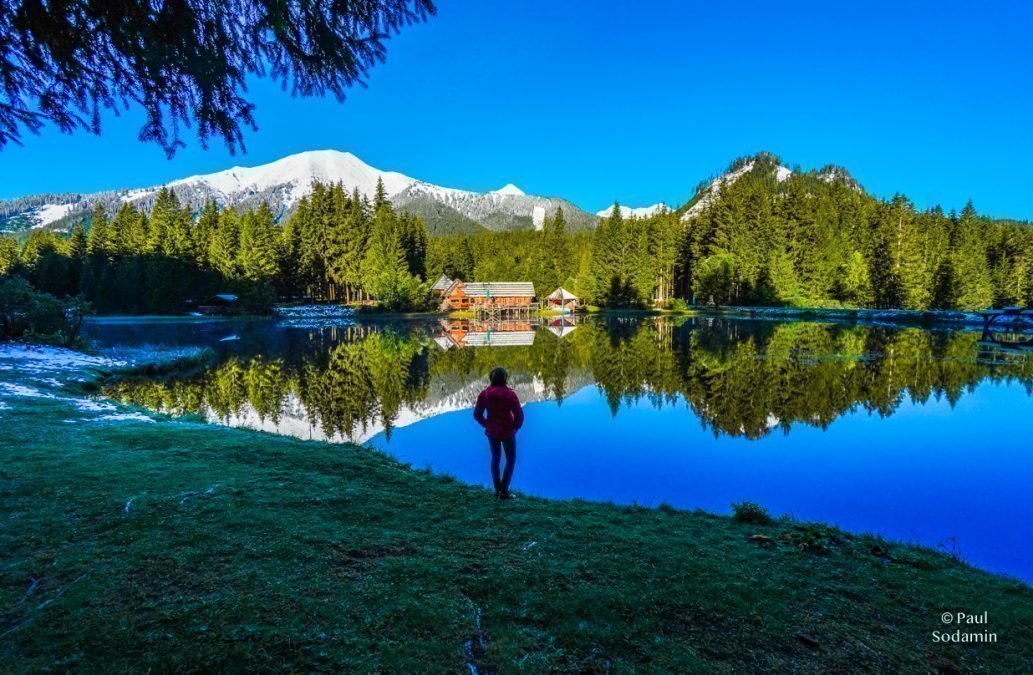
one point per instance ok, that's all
(220, 299)
(500, 289)
(561, 294)
(561, 331)
(441, 284)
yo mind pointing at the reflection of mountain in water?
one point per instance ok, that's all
(740, 378)
(295, 420)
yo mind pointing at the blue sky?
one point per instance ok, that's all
(600, 100)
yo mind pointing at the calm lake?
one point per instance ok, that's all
(917, 435)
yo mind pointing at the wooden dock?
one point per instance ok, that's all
(1012, 317)
(492, 311)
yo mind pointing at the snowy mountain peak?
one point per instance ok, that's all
(710, 193)
(510, 189)
(298, 172)
(640, 212)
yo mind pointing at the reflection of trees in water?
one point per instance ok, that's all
(740, 378)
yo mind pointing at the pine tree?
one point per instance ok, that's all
(971, 269)
(98, 241)
(385, 272)
(222, 252)
(9, 256)
(256, 250)
(204, 233)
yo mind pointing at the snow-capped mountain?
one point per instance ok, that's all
(283, 183)
(710, 193)
(640, 212)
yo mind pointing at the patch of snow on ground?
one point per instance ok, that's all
(8, 389)
(122, 417)
(538, 217)
(39, 358)
(51, 213)
(90, 405)
(782, 173)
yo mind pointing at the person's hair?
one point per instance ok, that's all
(498, 377)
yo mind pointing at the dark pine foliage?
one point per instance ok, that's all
(184, 61)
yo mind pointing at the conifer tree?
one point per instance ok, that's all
(99, 238)
(222, 252)
(204, 232)
(971, 270)
(9, 256)
(256, 249)
(385, 273)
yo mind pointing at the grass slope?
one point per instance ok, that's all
(173, 545)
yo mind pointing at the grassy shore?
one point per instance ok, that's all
(133, 543)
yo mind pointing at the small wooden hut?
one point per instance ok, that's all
(561, 300)
(220, 303)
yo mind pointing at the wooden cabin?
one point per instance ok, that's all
(218, 304)
(461, 295)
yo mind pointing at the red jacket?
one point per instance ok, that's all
(504, 414)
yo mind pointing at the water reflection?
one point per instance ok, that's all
(917, 435)
(740, 379)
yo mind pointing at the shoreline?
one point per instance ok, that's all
(890, 317)
(872, 317)
(169, 509)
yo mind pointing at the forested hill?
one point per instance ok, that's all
(764, 234)
(817, 238)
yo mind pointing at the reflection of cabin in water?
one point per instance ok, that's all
(493, 299)
(561, 327)
(465, 333)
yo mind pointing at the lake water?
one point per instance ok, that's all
(917, 435)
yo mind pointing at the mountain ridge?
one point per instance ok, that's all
(284, 182)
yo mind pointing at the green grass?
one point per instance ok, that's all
(127, 546)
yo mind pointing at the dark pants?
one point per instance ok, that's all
(497, 446)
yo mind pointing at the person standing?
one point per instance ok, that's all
(498, 411)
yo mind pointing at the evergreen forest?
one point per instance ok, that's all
(812, 239)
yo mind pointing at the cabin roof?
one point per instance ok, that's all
(441, 284)
(562, 331)
(561, 294)
(219, 298)
(499, 289)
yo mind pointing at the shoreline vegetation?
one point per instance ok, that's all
(847, 314)
(137, 541)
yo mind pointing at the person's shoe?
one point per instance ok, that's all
(507, 495)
